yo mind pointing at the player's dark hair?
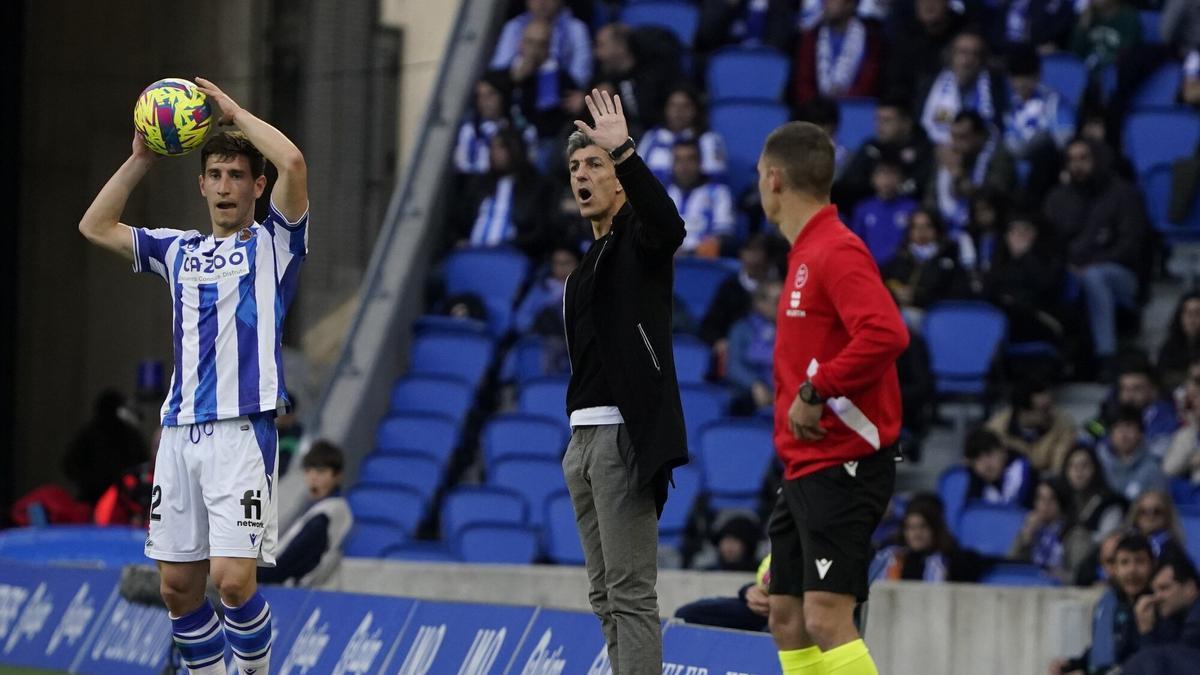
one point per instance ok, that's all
(229, 144)
(980, 442)
(1135, 542)
(1181, 568)
(323, 455)
(805, 153)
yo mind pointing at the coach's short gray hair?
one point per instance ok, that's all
(578, 141)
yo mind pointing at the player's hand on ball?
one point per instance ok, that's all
(610, 130)
(804, 420)
(141, 151)
(229, 107)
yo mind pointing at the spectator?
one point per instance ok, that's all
(490, 113)
(1179, 25)
(684, 120)
(127, 502)
(1041, 24)
(986, 221)
(1182, 346)
(925, 270)
(751, 346)
(1106, 30)
(642, 83)
(705, 205)
(312, 546)
(540, 310)
(965, 84)
(107, 446)
(881, 220)
(1183, 452)
(973, 160)
(747, 23)
(1037, 124)
(1100, 568)
(895, 137)
(1097, 508)
(1099, 218)
(737, 536)
(544, 95)
(1050, 537)
(1035, 427)
(1114, 629)
(509, 203)
(748, 611)
(1153, 514)
(1190, 86)
(926, 550)
(569, 44)
(918, 43)
(1137, 387)
(1171, 615)
(997, 475)
(732, 300)
(842, 56)
(1026, 282)
(1128, 467)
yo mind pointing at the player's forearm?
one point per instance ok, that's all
(271, 142)
(104, 214)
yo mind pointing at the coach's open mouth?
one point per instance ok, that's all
(584, 195)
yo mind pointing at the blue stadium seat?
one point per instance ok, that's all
(1067, 74)
(458, 354)
(396, 506)
(1150, 21)
(481, 503)
(748, 73)
(697, 281)
(562, 534)
(857, 125)
(529, 358)
(421, 551)
(1017, 574)
(439, 394)
(535, 479)
(745, 125)
(544, 396)
(525, 434)
(678, 509)
(734, 457)
(1160, 88)
(1185, 493)
(990, 530)
(437, 323)
(963, 339)
(702, 403)
(370, 540)
(1189, 519)
(75, 544)
(692, 357)
(1156, 191)
(1145, 132)
(417, 472)
(493, 274)
(497, 543)
(430, 434)
(680, 18)
(952, 488)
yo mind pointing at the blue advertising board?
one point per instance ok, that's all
(459, 638)
(562, 642)
(46, 618)
(129, 639)
(696, 650)
(342, 633)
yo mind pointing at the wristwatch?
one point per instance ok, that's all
(622, 149)
(808, 394)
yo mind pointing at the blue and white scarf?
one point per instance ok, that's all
(955, 209)
(836, 73)
(493, 223)
(945, 101)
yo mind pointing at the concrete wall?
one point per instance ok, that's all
(930, 629)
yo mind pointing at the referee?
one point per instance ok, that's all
(837, 411)
(627, 428)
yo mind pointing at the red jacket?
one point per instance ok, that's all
(838, 326)
(867, 82)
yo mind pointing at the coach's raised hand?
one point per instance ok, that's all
(611, 129)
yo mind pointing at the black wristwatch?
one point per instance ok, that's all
(808, 394)
(622, 148)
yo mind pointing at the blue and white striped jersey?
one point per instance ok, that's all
(228, 300)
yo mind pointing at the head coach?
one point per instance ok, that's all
(627, 428)
(837, 410)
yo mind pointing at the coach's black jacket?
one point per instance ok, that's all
(632, 295)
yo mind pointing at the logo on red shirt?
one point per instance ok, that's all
(801, 275)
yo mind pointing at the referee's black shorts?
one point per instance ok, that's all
(822, 525)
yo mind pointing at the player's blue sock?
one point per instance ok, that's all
(200, 640)
(249, 631)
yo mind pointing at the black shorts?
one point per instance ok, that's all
(822, 525)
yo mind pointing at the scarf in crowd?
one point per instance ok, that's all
(836, 73)
(945, 101)
(493, 223)
(1047, 548)
(893, 567)
(955, 209)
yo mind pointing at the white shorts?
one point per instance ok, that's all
(212, 495)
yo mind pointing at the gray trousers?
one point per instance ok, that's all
(618, 526)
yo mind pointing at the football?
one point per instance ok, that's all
(173, 116)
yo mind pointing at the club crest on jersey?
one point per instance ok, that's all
(801, 275)
(209, 269)
(245, 235)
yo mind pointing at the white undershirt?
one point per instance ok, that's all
(596, 416)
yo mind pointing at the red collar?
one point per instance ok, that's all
(827, 214)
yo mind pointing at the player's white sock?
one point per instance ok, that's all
(200, 640)
(249, 631)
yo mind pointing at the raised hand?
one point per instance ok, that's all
(228, 107)
(141, 151)
(611, 130)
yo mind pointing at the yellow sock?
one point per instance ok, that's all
(805, 661)
(851, 658)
